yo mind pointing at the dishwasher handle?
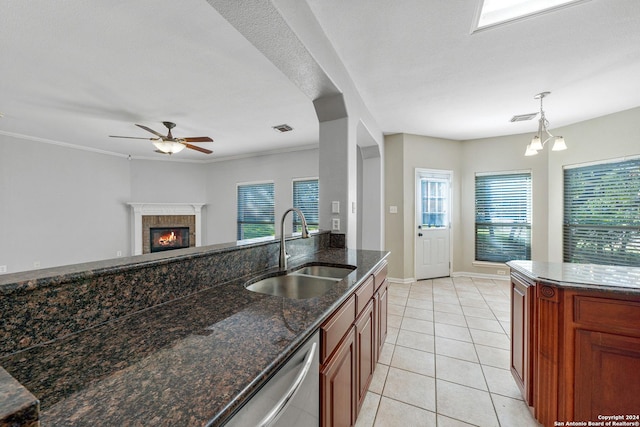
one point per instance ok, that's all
(285, 400)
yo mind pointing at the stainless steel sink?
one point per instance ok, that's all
(294, 286)
(325, 271)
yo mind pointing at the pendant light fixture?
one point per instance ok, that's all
(537, 143)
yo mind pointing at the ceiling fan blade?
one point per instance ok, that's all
(132, 137)
(150, 130)
(197, 139)
(202, 150)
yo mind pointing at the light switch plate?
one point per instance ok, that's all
(335, 224)
(335, 207)
(393, 209)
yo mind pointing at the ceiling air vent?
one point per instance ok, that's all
(523, 117)
(283, 128)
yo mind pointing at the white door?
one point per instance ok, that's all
(432, 234)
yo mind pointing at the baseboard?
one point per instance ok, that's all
(479, 275)
(401, 281)
(454, 274)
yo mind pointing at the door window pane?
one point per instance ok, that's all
(434, 202)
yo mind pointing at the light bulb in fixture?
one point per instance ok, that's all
(536, 143)
(559, 144)
(530, 151)
(169, 147)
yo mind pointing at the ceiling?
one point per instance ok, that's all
(75, 72)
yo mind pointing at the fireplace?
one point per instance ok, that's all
(164, 215)
(167, 238)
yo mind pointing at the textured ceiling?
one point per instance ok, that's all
(420, 70)
(75, 72)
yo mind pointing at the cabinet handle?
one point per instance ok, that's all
(285, 400)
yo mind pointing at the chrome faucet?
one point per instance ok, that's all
(305, 235)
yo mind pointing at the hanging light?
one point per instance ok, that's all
(537, 143)
(169, 147)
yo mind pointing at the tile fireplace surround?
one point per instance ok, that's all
(140, 228)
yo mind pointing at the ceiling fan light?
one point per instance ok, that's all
(530, 151)
(536, 144)
(559, 144)
(169, 147)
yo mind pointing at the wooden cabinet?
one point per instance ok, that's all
(606, 355)
(575, 351)
(350, 345)
(366, 350)
(338, 385)
(381, 304)
(522, 335)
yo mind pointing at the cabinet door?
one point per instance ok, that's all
(366, 350)
(522, 329)
(606, 365)
(339, 385)
(381, 315)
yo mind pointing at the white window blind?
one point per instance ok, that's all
(256, 216)
(503, 217)
(305, 198)
(602, 214)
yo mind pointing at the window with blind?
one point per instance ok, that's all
(503, 217)
(305, 198)
(256, 217)
(602, 214)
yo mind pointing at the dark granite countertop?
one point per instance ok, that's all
(191, 361)
(582, 276)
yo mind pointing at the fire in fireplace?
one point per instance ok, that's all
(167, 238)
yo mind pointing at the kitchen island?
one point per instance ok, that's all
(190, 359)
(575, 341)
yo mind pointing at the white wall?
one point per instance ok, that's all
(609, 137)
(223, 177)
(403, 154)
(168, 182)
(60, 206)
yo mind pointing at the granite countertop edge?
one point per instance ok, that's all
(365, 262)
(241, 399)
(601, 278)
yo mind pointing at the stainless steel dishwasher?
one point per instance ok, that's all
(291, 397)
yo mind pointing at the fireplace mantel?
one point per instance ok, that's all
(140, 209)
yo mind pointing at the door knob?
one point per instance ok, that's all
(419, 234)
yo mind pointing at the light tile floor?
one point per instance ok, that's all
(445, 362)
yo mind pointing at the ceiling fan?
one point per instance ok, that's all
(169, 144)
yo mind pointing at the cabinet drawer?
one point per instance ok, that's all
(336, 327)
(379, 275)
(608, 314)
(363, 294)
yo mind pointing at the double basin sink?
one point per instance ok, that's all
(306, 282)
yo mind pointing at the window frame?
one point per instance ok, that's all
(312, 224)
(600, 222)
(270, 217)
(513, 237)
